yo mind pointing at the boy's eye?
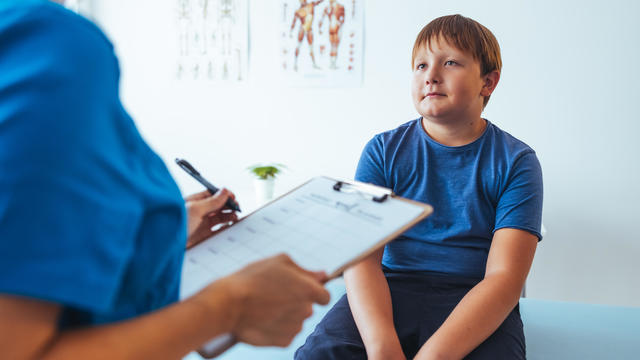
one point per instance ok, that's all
(450, 62)
(420, 66)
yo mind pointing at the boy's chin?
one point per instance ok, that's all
(433, 115)
(426, 108)
(435, 120)
(441, 118)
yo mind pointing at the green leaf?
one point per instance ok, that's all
(266, 171)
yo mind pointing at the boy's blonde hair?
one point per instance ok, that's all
(465, 34)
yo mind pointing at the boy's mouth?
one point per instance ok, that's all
(434, 94)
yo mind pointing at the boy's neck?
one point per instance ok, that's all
(454, 133)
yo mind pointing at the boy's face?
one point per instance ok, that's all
(447, 84)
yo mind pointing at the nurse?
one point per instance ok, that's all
(92, 226)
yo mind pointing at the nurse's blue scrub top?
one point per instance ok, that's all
(89, 216)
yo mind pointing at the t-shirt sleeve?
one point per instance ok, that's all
(520, 205)
(67, 225)
(371, 165)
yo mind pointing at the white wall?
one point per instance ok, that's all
(569, 89)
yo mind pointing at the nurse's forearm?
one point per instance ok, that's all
(263, 304)
(169, 333)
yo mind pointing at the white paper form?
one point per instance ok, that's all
(318, 227)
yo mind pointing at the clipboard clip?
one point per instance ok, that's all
(376, 193)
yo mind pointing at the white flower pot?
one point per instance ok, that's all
(264, 190)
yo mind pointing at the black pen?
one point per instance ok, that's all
(184, 164)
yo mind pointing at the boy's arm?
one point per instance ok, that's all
(487, 305)
(370, 303)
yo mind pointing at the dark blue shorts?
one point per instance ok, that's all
(421, 303)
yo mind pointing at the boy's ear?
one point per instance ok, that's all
(490, 83)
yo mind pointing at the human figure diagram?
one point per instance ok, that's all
(335, 12)
(304, 14)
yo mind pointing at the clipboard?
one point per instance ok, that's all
(324, 224)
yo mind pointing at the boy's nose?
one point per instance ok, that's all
(432, 80)
(431, 77)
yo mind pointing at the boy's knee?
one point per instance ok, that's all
(327, 348)
(335, 337)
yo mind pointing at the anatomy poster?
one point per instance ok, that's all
(321, 42)
(212, 38)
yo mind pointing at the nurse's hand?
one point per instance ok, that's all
(269, 300)
(204, 211)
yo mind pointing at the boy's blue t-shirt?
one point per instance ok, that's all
(89, 216)
(492, 183)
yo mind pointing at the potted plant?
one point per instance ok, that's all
(264, 181)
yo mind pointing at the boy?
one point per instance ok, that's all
(449, 287)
